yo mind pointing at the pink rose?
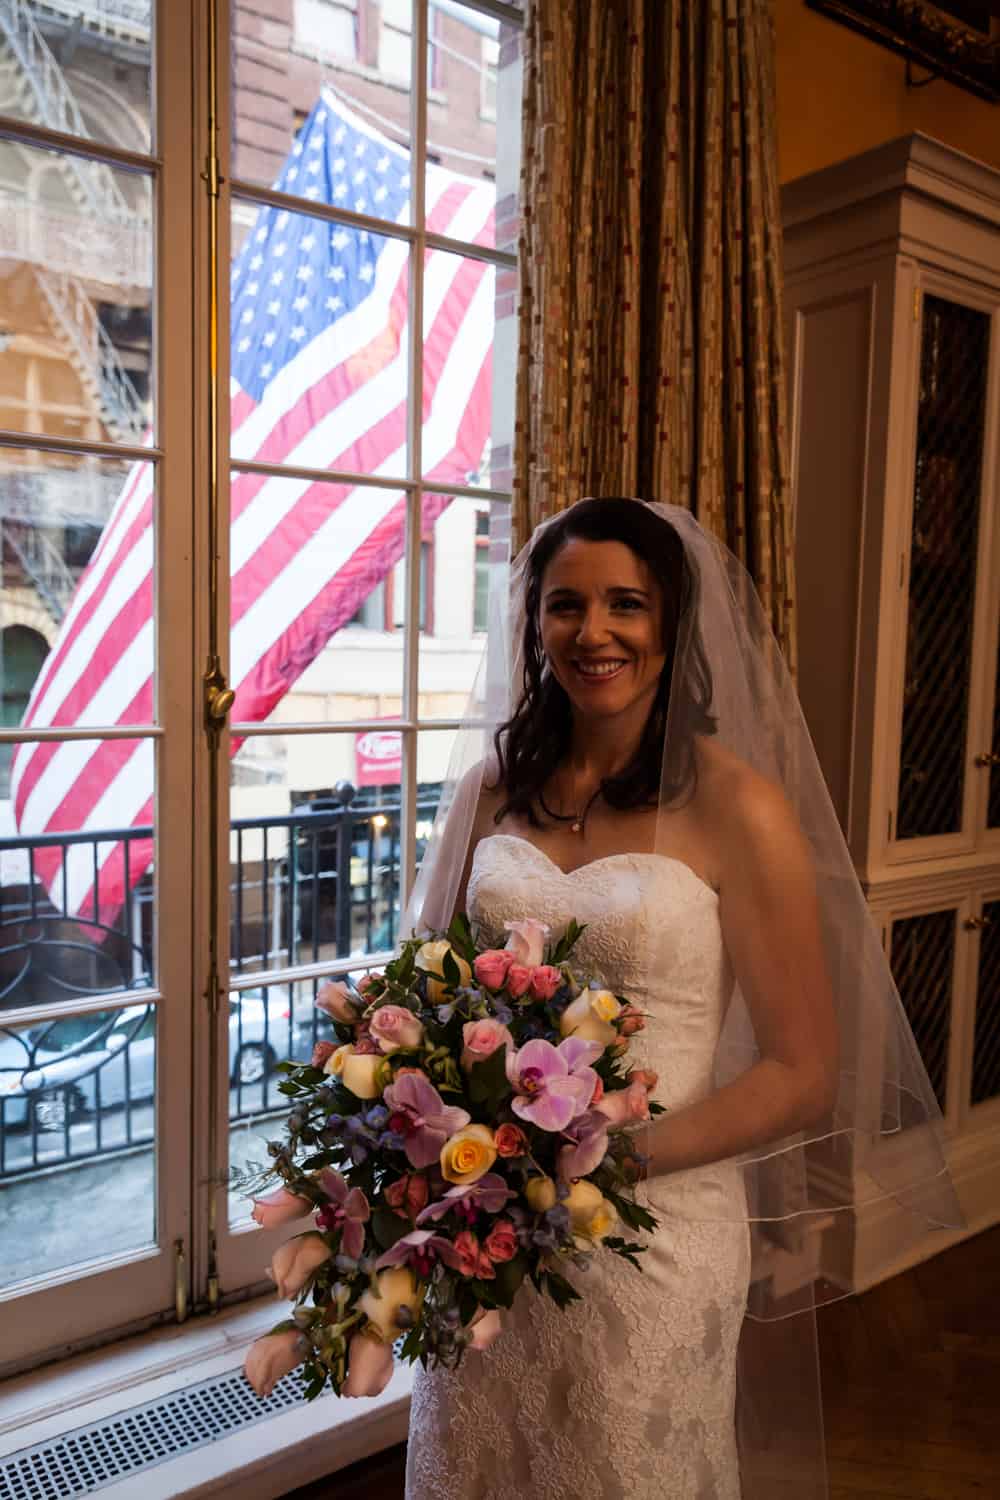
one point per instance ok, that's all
(545, 980)
(408, 1195)
(369, 1366)
(510, 1140)
(273, 1356)
(527, 941)
(623, 1106)
(294, 1263)
(471, 1258)
(646, 1077)
(518, 980)
(632, 1020)
(598, 1093)
(394, 1027)
(480, 1039)
(280, 1207)
(490, 968)
(368, 982)
(501, 1243)
(321, 1051)
(364, 1043)
(485, 1327)
(336, 1000)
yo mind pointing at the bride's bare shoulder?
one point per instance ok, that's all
(738, 802)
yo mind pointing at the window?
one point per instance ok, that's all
(327, 28)
(394, 48)
(490, 49)
(480, 608)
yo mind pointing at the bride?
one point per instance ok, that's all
(653, 779)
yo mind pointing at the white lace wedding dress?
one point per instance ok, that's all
(631, 1392)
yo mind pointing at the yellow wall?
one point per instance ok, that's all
(839, 94)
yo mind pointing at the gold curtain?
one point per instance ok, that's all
(651, 358)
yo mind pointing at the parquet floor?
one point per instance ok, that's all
(911, 1382)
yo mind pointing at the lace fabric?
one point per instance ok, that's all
(632, 1391)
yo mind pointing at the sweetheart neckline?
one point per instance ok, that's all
(589, 864)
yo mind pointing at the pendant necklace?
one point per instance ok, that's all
(575, 820)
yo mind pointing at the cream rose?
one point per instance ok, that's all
(430, 958)
(295, 1262)
(468, 1154)
(395, 1288)
(589, 1016)
(590, 1213)
(361, 1072)
(540, 1193)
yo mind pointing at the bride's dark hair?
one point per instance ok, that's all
(536, 738)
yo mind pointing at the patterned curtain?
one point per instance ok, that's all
(651, 356)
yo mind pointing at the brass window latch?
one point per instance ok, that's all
(219, 697)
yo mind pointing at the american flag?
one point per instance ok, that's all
(320, 329)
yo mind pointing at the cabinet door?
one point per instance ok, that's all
(922, 955)
(985, 1084)
(952, 478)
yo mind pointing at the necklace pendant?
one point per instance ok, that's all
(576, 827)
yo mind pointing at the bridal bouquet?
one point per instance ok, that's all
(469, 1129)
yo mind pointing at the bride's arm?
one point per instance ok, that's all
(771, 929)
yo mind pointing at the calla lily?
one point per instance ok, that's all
(527, 941)
(552, 1085)
(280, 1207)
(347, 1211)
(294, 1263)
(421, 1117)
(485, 1327)
(369, 1366)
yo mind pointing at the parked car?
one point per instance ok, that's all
(64, 1069)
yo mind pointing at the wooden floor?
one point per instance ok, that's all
(911, 1382)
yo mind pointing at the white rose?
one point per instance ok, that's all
(590, 1015)
(430, 958)
(397, 1288)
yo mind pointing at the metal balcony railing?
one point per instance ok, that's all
(313, 885)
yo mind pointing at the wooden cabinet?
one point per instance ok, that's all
(892, 290)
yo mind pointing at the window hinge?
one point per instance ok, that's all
(180, 1282)
(213, 1279)
(916, 304)
(211, 176)
(890, 825)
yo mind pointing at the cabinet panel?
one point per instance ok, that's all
(954, 363)
(986, 1055)
(922, 957)
(993, 805)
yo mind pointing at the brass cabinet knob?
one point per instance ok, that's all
(974, 924)
(988, 758)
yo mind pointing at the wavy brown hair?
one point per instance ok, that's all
(536, 738)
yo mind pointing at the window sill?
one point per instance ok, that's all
(259, 1462)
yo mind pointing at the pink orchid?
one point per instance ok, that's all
(527, 941)
(552, 1085)
(587, 1148)
(420, 1249)
(421, 1117)
(347, 1211)
(489, 1194)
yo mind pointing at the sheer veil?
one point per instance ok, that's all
(881, 1142)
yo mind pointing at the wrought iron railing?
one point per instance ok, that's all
(317, 884)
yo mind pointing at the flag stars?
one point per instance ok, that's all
(335, 273)
(266, 368)
(339, 166)
(304, 273)
(260, 236)
(307, 241)
(339, 134)
(300, 304)
(381, 193)
(333, 303)
(316, 144)
(359, 177)
(252, 288)
(312, 191)
(282, 219)
(269, 338)
(298, 333)
(279, 249)
(247, 315)
(340, 190)
(359, 149)
(297, 149)
(339, 239)
(314, 167)
(256, 262)
(291, 174)
(382, 165)
(274, 308)
(367, 271)
(277, 278)
(243, 345)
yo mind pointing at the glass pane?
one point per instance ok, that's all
(76, 593)
(79, 66)
(954, 365)
(76, 1092)
(322, 108)
(314, 847)
(76, 296)
(923, 960)
(319, 587)
(76, 872)
(474, 113)
(986, 1052)
(459, 319)
(466, 541)
(266, 1026)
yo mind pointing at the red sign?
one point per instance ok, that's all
(378, 757)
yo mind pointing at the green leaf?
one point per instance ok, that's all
(388, 1227)
(560, 1290)
(631, 1212)
(288, 1088)
(509, 1276)
(452, 973)
(488, 1082)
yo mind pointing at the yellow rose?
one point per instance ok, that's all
(590, 1213)
(395, 1288)
(468, 1154)
(430, 958)
(540, 1193)
(361, 1072)
(590, 1015)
